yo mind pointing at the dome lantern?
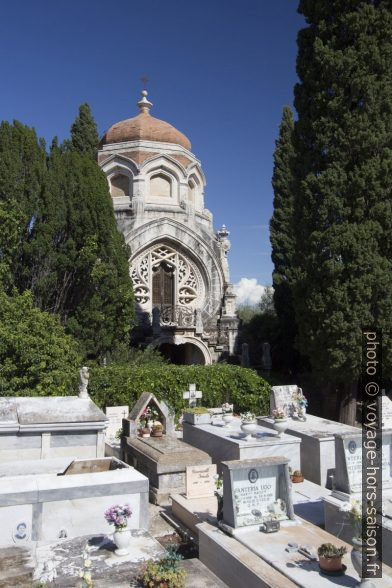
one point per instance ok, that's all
(144, 127)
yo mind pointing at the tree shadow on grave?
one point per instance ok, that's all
(182, 539)
(311, 511)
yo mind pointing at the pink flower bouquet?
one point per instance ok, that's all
(118, 515)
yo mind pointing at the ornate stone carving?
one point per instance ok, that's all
(189, 284)
(84, 377)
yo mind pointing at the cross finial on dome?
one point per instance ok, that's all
(144, 104)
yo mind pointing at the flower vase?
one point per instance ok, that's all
(248, 428)
(227, 418)
(122, 538)
(356, 560)
(280, 425)
(330, 564)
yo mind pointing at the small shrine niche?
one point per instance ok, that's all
(146, 416)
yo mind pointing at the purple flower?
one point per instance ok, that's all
(118, 514)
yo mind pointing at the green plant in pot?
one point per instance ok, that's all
(164, 573)
(197, 415)
(197, 410)
(157, 430)
(330, 557)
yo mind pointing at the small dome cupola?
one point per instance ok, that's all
(144, 127)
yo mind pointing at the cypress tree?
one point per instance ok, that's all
(343, 205)
(282, 240)
(84, 135)
(22, 179)
(60, 239)
(79, 259)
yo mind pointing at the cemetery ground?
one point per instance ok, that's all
(245, 500)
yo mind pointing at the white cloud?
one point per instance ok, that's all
(248, 291)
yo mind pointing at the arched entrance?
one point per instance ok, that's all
(184, 354)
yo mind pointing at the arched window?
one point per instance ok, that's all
(192, 192)
(160, 186)
(119, 185)
(163, 276)
(163, 285)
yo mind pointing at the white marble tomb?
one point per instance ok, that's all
(45, 500)
(228, 443)
(50, 426)
(317, 437)
(348, 488)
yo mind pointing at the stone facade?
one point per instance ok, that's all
(179, 263)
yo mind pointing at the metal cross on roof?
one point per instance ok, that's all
(144, 79)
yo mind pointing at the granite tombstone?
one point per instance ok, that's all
(200, 482)
(255, 491)
(348, 476)
(115, 414)
(385, 407)
(281, 397)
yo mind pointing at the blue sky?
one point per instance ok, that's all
(220, 71)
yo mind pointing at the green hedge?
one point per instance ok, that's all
(122, 385)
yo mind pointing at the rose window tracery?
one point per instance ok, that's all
(189, 290)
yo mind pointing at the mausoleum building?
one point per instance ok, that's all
(179, 266)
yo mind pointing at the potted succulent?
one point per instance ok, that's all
(330, 557)
(280, 420)
(164, 573)
(197, 415)
(118, 515)
(297, 477)
(157, 429)
(248, 424)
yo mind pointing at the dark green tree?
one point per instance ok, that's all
(282, 241)
(79, 260)
(343, 190)
(22, 177)
(36, 356)
(84, 134)
(60, 239)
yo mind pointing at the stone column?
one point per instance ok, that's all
(45, 445)
(100, 443)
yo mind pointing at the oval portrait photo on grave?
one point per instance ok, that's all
(253, 476)
(21, 532)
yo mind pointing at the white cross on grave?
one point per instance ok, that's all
(192, 395)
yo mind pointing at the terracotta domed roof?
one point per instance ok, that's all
(144, 127)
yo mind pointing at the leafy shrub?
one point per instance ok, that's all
(122, 385)
(165, 571)
(124, 354)
(37, 358)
